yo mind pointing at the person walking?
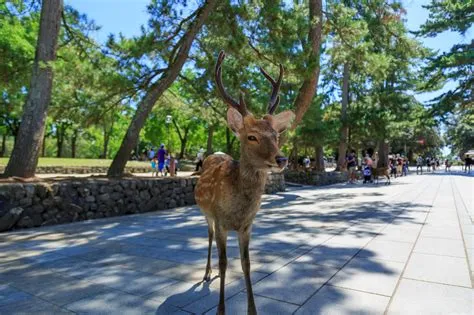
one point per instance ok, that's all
(154, 167)
(151, 154)
(405, 167)
(199, 159)
(351, 167)
(161, 158)
(419, 165)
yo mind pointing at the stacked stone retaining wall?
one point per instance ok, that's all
(26, 205)
(83, 169)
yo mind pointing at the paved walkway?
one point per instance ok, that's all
(344, 249)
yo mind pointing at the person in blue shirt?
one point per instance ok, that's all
(154, 167)
(161, 158)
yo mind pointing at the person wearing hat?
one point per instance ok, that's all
(199, 159)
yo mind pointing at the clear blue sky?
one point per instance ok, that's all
(126, 16)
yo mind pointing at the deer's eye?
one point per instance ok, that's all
(252, 138)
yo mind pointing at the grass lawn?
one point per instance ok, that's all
(77, 162)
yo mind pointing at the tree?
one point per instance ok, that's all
(310, 83)
(455, 65)
(24, 158)
(177, 59)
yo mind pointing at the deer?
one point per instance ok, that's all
(229, 192)
(379, 171)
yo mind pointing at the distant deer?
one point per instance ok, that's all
(379, 171)
(228, 191)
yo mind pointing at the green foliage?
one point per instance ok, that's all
(455, 65)
(96, 88)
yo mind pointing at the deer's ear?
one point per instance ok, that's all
(235, 120)
(282, 121)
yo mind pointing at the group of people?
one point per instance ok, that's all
(397, 164)
(162, 162)
(431, 164)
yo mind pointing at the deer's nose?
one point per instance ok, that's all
(281, 161)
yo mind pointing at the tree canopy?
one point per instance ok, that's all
(352, 70)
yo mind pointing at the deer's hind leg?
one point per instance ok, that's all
(210, 224)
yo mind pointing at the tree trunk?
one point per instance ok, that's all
(43, 146)
(75, 134)
(344, 131)
(383, 154)
(227, 141)
(157, 89)
(4, 145)
(310, 84)
(105, 148)
(319, 158)
(210, 135)
(294, 153)
(24, 158)
(60, 131)
(183, 143)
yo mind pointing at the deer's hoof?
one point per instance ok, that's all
(221, 310)
(207, 276)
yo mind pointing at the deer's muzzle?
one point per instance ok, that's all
(281, 161)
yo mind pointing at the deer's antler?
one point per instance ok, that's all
(274, 97)
(240, 106)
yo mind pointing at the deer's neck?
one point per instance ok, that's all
(251, 180)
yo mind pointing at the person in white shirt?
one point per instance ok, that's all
(199, 159)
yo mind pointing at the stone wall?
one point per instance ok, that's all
(25, 205)
(82, 169)
(275, 183)
(315, 178)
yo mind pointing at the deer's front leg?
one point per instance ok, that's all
(244, 240)
(207, 275)
(221, 241)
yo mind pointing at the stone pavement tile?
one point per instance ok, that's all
(335, 255)
(441, 232)
(274, 265)
(352, 238)
(212, 299)
(11, 295)
(295, 282)
(387, 250)
(399, 234)
(234, 265)
(50, 256)
(238, 305)
(369, 275)
(419, 297)
(65, 292)
(21, 268)
(185, 272)
(442, 222)
(440, 246)
(149, 265)
(32, 306)
(469, 241)
(468, 228)
(33, 278)
(117, 302)
(339, 301)
(130, 281)
(441, 269)
(181, 293)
